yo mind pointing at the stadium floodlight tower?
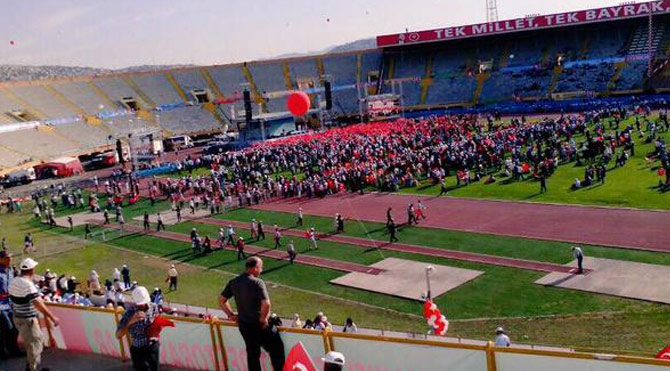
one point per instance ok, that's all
(491, 10)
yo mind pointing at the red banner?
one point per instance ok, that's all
(529, 23)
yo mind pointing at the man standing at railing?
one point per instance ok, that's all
(253, 304)
(26, 302)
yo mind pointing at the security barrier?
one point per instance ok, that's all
(217, 345)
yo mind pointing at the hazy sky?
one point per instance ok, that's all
(119, 33)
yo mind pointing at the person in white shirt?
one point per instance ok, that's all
(350, 326)
(26, 302)
(172, 277)
(94, 281)
(502, 340)
(296, 323)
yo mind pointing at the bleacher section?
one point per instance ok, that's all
(304, 69)
(342, 70)
(451, 82)
(7, 105)
(116, 88)
(83, 95)
(121, 126)
(90, 136)
(40, 144)
(188, 120)
(189, 80)
(229, 80)
(158, 88)
(269, 77)
(44, 101)
(10, 158)
(411, 65)
(633, 76)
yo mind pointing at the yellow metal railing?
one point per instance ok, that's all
(488, 353)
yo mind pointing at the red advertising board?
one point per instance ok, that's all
(529, 23)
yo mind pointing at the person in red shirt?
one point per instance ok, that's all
(240, 249)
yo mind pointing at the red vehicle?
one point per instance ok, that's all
(63, 167)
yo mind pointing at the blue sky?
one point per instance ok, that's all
(120, 33)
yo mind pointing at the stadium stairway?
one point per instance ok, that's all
(133, 85)
(109, 103)
(212, 108)
(427, 81)
(176, 86)
(555, 78)
(619, 70)
(481, 81)
(213, 86)
(64, 100)
(586, 48)
(256, 94)
(287, 76)
(321, 69)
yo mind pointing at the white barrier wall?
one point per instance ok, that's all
(206, 345)
(526, 362)
(237, 355)
(364, 354)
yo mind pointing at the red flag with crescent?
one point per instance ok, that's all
(299, 360)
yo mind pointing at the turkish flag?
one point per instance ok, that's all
(299, 360)
(664, 354)
(157, 326)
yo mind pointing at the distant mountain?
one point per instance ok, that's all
(362, 44)
(9, 72)
(353, 46)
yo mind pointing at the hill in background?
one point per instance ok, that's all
(9, 72)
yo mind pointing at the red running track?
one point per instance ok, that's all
(413, 249)
(265, 253)
(622, 228)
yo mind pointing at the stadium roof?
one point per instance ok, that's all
(535, 22)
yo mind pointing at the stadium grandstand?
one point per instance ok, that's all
(556, 65)
(486, 197)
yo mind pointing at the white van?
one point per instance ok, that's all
(179, 142)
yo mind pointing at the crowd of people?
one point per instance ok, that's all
(403, 153)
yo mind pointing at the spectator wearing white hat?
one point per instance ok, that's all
(172, 277)
(27, 302)
(502, 340)
(136, 321)
(333, 361)
(296, 323)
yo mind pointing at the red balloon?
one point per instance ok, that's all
(298, 103)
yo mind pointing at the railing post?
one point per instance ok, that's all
(491, 357)
(222, 346)
(122, 348)
(217, 365)
(327, 341)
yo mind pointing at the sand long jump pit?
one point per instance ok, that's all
(407, 279)
(626, 279)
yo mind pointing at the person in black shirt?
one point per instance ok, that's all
(340, 223)
(393, 229)
(254, 308)
(145, 221)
